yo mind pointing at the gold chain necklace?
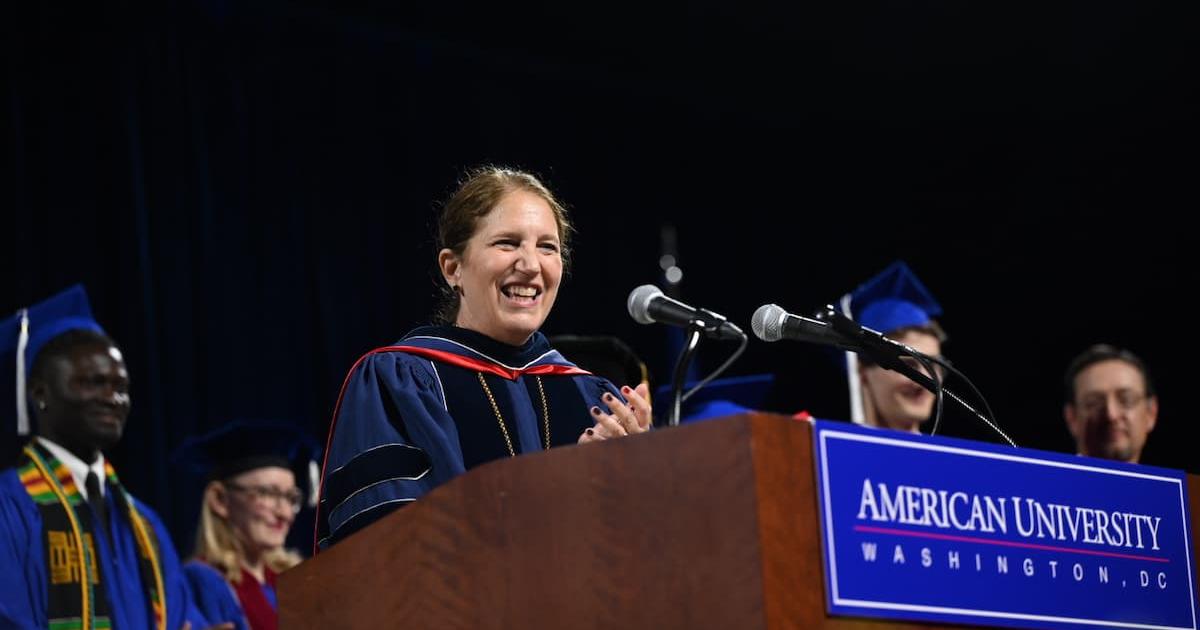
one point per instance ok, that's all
(500, 418)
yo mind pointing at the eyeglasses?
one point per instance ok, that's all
(265, 495)
(1127, 400)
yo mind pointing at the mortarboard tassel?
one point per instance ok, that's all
(314, 483)
(857, 416)
(22, 408)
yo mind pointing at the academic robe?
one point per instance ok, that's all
(413, 415)
(23, 570)
(217, 600)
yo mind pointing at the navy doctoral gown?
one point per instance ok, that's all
(413, 415)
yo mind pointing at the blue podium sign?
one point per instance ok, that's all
(938, 529)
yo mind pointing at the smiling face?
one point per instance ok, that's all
(890, 399)
(83, 399)
(254, 505)
(1112, 413)
(510, 269)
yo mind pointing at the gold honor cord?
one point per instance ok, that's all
(144, 540)
(85, 567)
(499, 418)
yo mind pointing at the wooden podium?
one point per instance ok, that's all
(709, 525)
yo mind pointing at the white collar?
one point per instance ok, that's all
(79, 469)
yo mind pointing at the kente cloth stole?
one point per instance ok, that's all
(75, 591)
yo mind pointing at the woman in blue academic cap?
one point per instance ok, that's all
(249, 504)
(898, 305)
(481, 384)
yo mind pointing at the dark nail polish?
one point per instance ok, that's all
(608, 397)
(595, 411)
(590, 432)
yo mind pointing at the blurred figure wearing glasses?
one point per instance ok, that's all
(1110, 406)
(249, 504)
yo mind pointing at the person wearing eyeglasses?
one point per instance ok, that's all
(1110, 405)
(249, 504)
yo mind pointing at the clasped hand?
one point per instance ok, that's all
(621, 418)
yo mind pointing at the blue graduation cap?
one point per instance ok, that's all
(24, 334)
(720, 398)
(243, 445)
(895, 298)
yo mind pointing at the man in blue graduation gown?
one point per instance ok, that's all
(76, 550)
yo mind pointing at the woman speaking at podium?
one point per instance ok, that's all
(481, 383)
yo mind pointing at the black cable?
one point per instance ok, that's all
(724, 366)
(876, 345)
(979, 395)
(685, 358)
(927, 363)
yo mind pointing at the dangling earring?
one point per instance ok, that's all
(41, 405)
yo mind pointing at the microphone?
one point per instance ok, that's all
(888, 353)
(648, 305)
(772, 323)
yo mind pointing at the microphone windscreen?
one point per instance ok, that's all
(639, 303)
(767, 322)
